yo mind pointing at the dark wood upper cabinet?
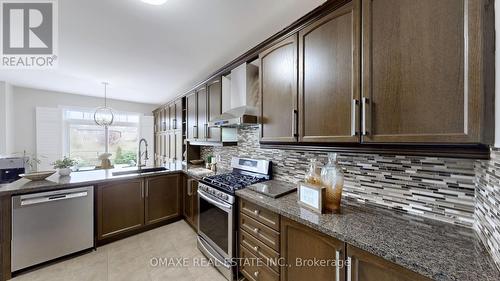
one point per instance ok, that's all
(214, 89)
(202, 113)
(120, 207)
(178, 146)
(177, 122)
(171, 117)
(163, 198)
(278, 90)
(192, 116)
(368, 267)
(301, 242)
(329, 77)
(172, 146)
(423, 64)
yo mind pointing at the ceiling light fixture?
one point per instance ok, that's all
(104, 116)
(154, 2)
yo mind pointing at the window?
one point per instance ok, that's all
(86, 140)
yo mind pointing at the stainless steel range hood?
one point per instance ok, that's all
(240, 97)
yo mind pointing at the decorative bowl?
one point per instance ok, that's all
(38, 176)
(196, 162)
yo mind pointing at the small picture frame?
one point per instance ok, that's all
(311, 196)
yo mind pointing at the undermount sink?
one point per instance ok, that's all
(139, 171)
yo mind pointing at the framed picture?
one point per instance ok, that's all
(311, 196)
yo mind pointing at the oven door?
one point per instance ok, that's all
(215, 223)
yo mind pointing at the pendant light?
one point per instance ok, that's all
(103, 116)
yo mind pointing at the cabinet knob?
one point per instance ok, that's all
(256, 248)
(256, 212)
(256, 274)
(256, 230)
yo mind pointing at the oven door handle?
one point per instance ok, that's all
(221, 205)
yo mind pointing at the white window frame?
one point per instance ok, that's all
(67, 123)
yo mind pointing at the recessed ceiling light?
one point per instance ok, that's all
(155, 2)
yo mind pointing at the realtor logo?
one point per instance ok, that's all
(29, 34)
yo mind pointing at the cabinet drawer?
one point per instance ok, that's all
(260, 214)
(255, 271)
(263, 233)
(260, 250)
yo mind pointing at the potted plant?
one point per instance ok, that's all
(64, 166)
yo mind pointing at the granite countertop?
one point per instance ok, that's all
(93, 177)
(438, 250)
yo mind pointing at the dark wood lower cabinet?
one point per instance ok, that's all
(368, 267)
(131, 206)
(190, 206)
(163, 198)
(120, 207)
(301, 244)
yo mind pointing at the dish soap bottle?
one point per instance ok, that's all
(312, 175)
(332, 178)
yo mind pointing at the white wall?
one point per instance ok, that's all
(497, 74)
(3, 119)
(25, 100)
(6, 134)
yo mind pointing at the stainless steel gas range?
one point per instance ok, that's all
(217, 210)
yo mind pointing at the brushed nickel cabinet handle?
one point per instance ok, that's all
(256, 230)
(354, 123)
(337, 268)
(256, 248)
(195, 131)
(349, 268)
(256, 274)
(364, 103)
(189, 187)
(295, 116)
(206, 132)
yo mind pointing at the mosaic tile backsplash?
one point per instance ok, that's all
(437, 188)
(487, 214)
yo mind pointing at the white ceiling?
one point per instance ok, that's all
(151, 54)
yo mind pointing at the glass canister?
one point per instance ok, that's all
(332, 178)
(312, 175)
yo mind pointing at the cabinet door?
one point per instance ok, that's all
(166, 147)
(164, 119)
(368, 267)
(173, 146)
(163, 198)
(278, 90)
(177, 123)
(191, 202)
(214, 89)
(120, 207)
(299, 242)
(156, 121)
(178, 146)
(202, 114)
(329, 93)
(192, 116)
(421, 71)
(171, 116)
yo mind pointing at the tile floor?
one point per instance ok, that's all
(130, 260)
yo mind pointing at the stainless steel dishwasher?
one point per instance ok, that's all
(52, 224)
